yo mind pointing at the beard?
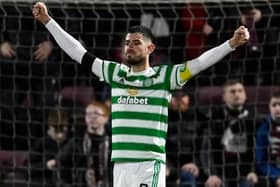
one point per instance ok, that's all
(135, 61)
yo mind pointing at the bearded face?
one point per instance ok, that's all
(136, 49)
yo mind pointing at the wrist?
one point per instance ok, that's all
(232, 43)
(45, 19)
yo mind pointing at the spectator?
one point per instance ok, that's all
(26, 85)
(248, 14)
(23, 55)
(160, 28)
(267, 151)
(194, 19)
(184, 127)
(85, 161)
(44, 151)
(249, 18)
(231, 135)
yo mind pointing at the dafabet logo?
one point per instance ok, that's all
(132, 100)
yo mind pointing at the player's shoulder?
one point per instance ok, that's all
(119, 65)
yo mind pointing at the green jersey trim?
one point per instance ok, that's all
(120, 159)
(123, 74)
(111, 69)
(156, 174)
(138, 147)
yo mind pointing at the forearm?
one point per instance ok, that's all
(69, 44)
(209, 58)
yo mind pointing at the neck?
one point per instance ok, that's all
(239, 108)
(141, 67)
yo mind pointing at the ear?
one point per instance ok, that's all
(151, 48)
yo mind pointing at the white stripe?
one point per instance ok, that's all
(161, 78)
(139, 123)
(106, 68)
(138, 139)
(274, 140)
(96, 68)
(174, 75)
(138, 154)
(275, 146)
(151, 109)
(149, 93)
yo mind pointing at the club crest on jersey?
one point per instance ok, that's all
(132, 92)
(148, 82)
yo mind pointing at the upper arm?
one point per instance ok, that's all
(180, 74)
(92, 63)
(101, 68)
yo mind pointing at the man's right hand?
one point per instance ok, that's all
(51, 164)
(7, 50)
(40, 12)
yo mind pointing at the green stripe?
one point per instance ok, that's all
(138, 131)
(140, 116)
(120, 159)
(159, 86)
(138, 147)
(123, 74)
(151, 100)
(156, 174)
(168, 76)
(111, 69)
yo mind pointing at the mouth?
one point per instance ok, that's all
(129, 56)
(130, 51)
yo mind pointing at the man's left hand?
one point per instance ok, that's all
(240, 37)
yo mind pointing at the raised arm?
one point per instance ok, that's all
(212, 56)
(69, 44)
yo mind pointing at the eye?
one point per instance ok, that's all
(136, 42)
(275, 104)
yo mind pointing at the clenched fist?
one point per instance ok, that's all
(40, 12)
(240, 37)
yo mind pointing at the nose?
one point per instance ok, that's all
(129, 46)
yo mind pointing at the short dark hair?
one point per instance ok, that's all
(146, 32)
(231, 82)
(275, 94)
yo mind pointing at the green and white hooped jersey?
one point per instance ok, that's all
(140, 109)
